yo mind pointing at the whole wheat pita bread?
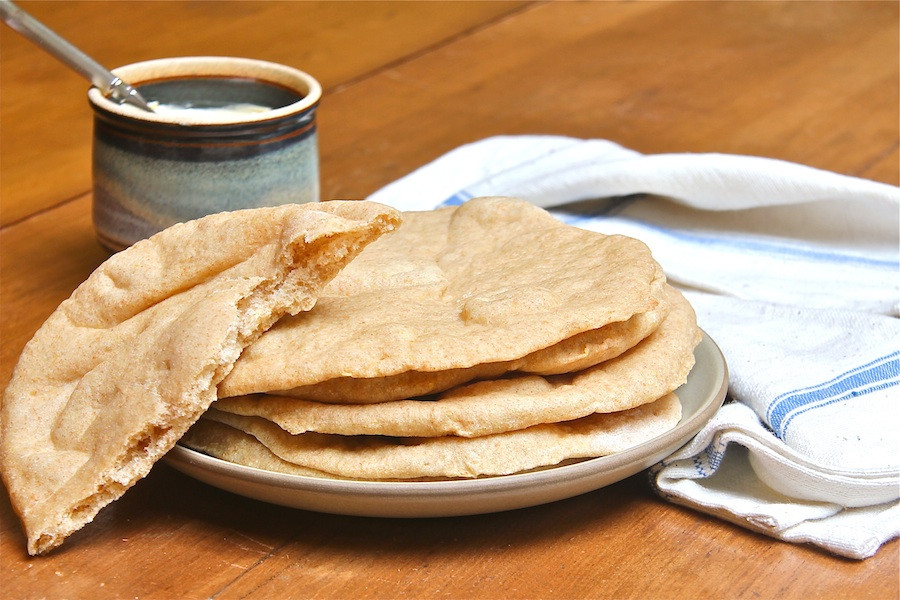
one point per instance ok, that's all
(227, 443)
(379, 458)
(492, 280)
(122, 368)
(575, 353)
(653, 368)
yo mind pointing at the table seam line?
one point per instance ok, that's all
(474, 29)
(252, 567)
(877, 159)
(44, 210)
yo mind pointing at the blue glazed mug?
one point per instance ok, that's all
(227, 133)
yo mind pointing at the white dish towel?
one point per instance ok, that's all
(793, 271)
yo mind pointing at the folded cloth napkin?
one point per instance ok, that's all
(793, 271)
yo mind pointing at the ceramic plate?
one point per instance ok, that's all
(700, 397)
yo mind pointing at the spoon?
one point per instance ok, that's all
(110, 85)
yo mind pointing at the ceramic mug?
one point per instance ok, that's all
(227, 133)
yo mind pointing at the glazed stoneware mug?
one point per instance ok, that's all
(226, 133)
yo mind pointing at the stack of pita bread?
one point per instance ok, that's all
(478, 340)
(484, 339)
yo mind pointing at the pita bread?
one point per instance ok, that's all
(451, 289)
(578, 352)
(379, 458)
(235, 446)
(122, 368)
(653, 368)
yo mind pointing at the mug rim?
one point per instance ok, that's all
(186, 67)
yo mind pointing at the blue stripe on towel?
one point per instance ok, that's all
(744, 245)
(456, 199)
(877, 375)
(482, 186)
(610, 208)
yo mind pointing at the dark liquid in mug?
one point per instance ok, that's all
(218, 92)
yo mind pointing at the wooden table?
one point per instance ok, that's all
(811, 82)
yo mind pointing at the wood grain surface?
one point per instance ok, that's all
(811, 82)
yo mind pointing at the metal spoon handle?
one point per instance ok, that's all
(46, 38)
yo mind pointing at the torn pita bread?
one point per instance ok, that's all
(122, 368)
(489, 281)
(379, 458)
(653, 368)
